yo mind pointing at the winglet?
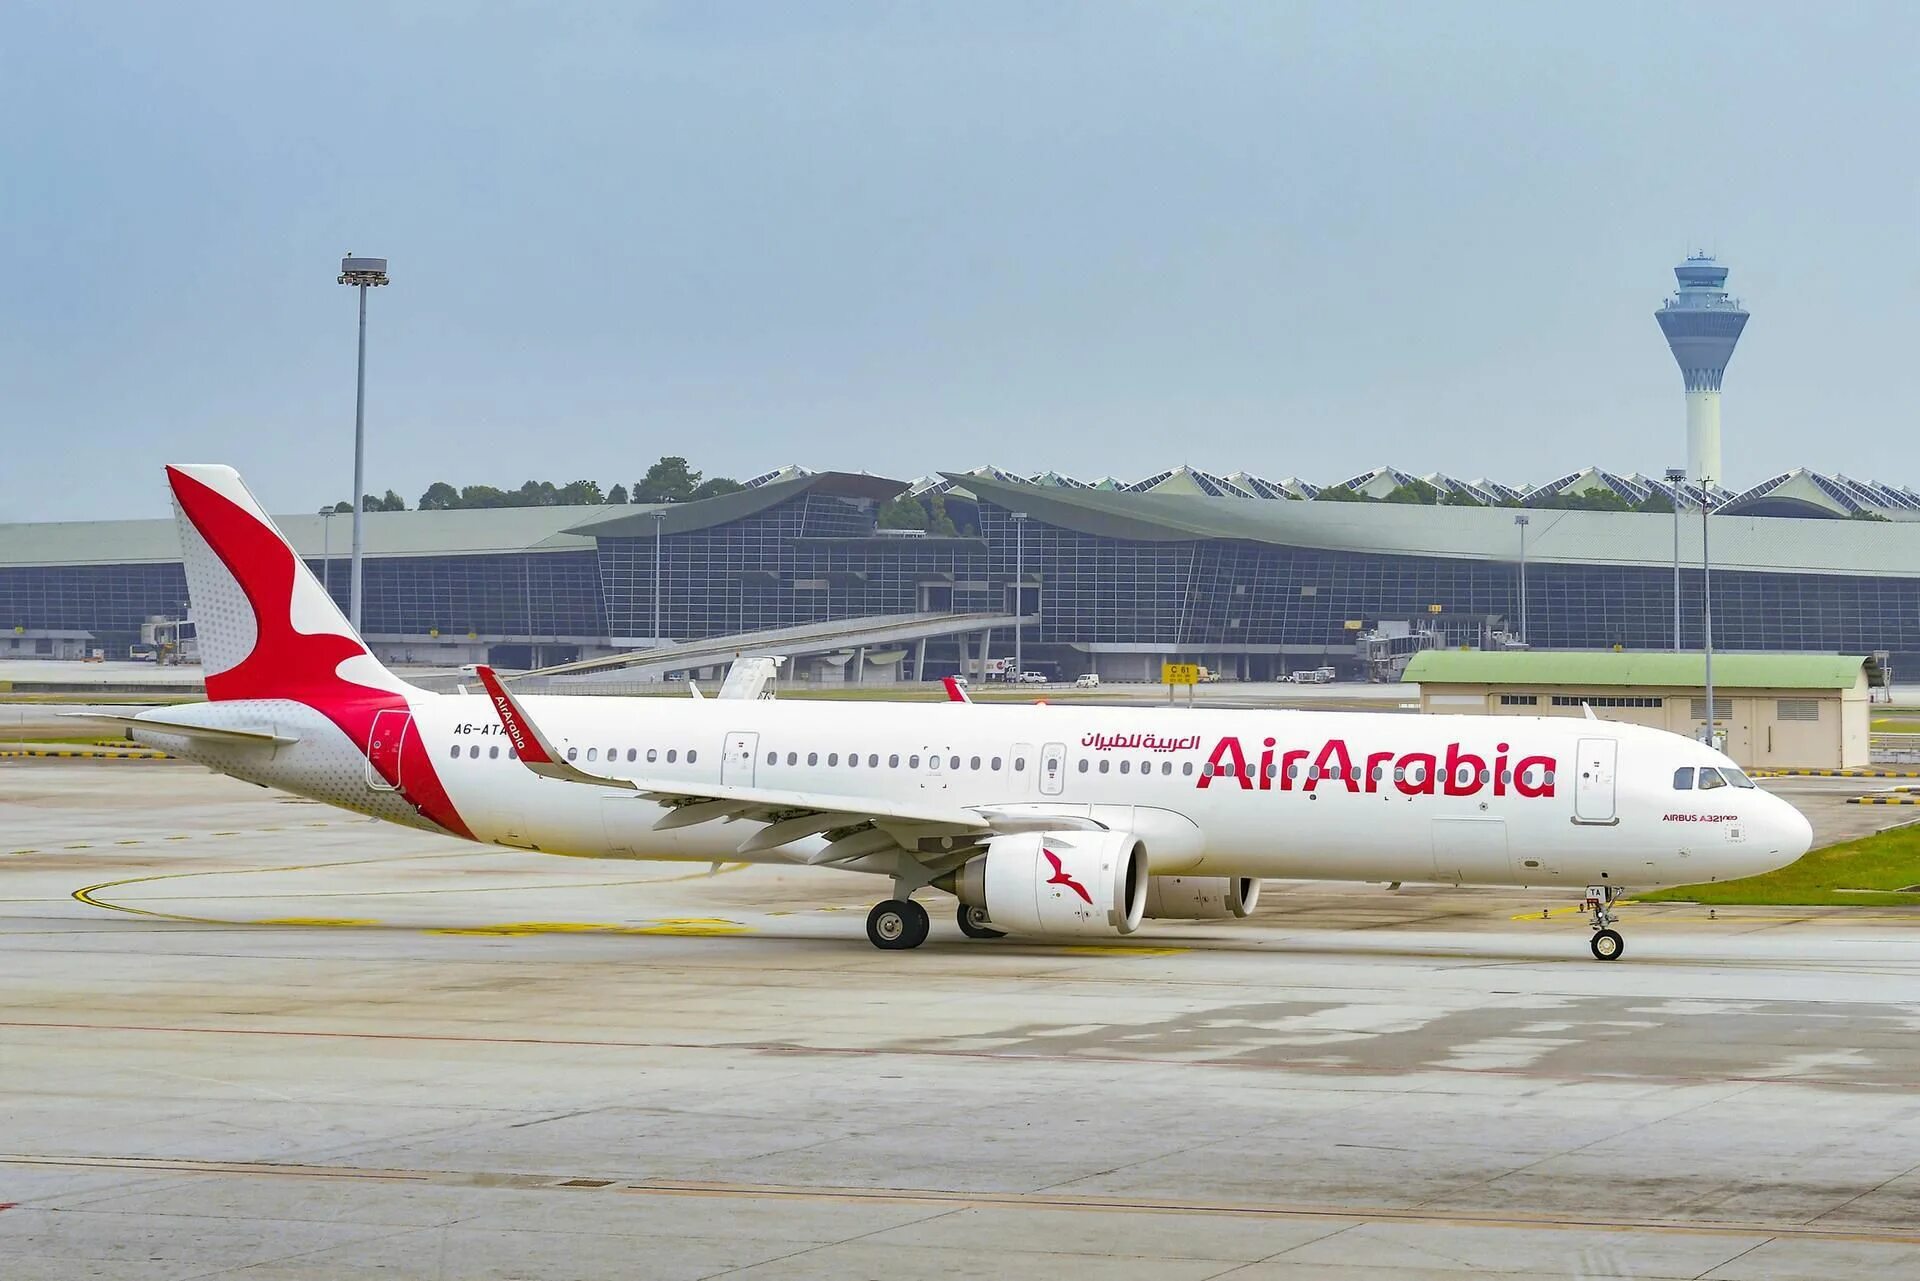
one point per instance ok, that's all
(528, 743)
(956, 692)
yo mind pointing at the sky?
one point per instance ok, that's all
(1102, 238)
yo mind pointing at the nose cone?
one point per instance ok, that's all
(1796, 833)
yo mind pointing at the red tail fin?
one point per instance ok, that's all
(267, 629)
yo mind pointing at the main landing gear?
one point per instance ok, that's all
(897, 925)
(1606, 943)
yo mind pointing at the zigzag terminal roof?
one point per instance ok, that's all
(1574, 668)
(1764, 543)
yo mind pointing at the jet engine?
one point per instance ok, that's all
(1057, 883)
(1201, 898)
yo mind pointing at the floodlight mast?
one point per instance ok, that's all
(363, 274)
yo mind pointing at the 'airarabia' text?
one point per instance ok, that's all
(1456, 773)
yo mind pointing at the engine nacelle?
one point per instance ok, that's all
(1201, 898)
(1057, 883)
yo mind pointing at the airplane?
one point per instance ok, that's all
(1057, 823)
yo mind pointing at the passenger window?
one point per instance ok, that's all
(873, 760)
(1083, 762)
(853, 760)
(474, 752)
(1019, 764)
(893, 761)
(813, 758)
(455, 753)
(1484, 776)
(1272, 770)
(632, 754)
(953, 762)
(512, 755)
(973, 762)
(913, 762)
(593, 753)
(493, 753)
(773, 758)
(996, 765)
(653, 754)
(573, 753)
(693, 754)
(613, 754)
(1735, 777)
(1683, 779)
(1105, 766)
(833, 758)
(1710, 779)
(1125, 766)
(1186, 767)
(1166, 767)
(671, 753)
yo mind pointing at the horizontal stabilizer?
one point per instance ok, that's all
(161, 722)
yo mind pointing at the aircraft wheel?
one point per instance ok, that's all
(1607, 945)
(897, 924)
(973, 923)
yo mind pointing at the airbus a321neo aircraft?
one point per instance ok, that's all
(1057, 822)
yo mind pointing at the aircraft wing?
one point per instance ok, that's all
(786, 815)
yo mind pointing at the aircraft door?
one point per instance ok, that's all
(1593, 780)
(736, 763)
(388, 736)
(1053, 769)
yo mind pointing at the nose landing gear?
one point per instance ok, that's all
(1606, 943)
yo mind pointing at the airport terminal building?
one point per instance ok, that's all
(1110, 579)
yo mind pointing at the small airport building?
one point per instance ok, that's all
(1785, 711)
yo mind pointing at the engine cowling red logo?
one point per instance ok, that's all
(1060, 877)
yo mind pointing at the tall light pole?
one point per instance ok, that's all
(1706, 601)
(1019, 588)
(659, 526)
(1521, 521)
(363, 274)
(1676, 481)
(326, 548)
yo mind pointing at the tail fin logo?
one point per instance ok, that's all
(285, 661)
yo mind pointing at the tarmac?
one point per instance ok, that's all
(246, 1036)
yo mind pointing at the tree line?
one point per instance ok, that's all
(1420, 492)
(671, 480)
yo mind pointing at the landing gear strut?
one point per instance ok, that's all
(974, 923)
(897, 924)
(1606, 943)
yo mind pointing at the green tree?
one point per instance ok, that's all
(581, 493)
(1460, 498)
(342, 508)
(939, 523)
(617, 495)
(440, 496)
(668, 481)
(482, 496)
(903, 512)
(1865, 514)
(1415, 491)
(392, 502)
(1340, 494)
(536, 493)
(717, 485)
(1654, 502)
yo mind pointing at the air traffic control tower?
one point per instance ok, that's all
(1702, 324)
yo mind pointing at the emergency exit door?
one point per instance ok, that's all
(736, 763)
(1593, 780)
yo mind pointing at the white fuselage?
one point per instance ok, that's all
(1314, 795)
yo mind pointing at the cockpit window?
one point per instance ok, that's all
(1710, 778)
(1683, 778)
(1735, 777)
